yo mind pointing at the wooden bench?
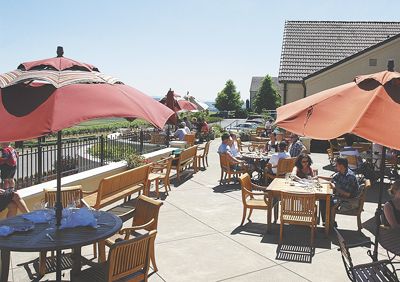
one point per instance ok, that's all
(186, 159)
(120, 186)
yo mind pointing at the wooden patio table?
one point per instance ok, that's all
(37, 240)
(279, 185)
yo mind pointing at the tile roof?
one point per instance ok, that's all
(257, 80)
(309, 46)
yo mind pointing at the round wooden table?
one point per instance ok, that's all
(37, 240)
(254, 158)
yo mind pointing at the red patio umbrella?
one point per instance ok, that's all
(187, 105)
(45, 96)
(368, 107)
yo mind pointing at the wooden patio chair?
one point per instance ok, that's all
(373, 271)
(190, 139)
(332, 156)
(128, 260)
(298, 209)
(69, 195)
(357, 211)
(284, 166)
(227, 170)
(251, 202)
(161, 170)
(145, 218)
(202, 155)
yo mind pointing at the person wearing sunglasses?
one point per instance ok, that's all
(302, 168)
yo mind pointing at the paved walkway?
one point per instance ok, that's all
(199, 238)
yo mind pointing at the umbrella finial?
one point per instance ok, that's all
(390, 66)
(60, 51)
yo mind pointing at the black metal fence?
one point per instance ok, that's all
(37, 162)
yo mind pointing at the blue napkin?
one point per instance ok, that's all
(40, 216)
(6, 230)
(79, 217)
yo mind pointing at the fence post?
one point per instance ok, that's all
(102, 153)
(39, 160)
(141, 140)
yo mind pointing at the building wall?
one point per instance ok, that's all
(295, 91)
(347, 71)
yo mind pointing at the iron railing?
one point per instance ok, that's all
(37, 162)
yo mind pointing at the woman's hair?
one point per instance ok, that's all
(394, 188)
(302, 156)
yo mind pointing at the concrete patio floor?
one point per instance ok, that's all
(199, 238)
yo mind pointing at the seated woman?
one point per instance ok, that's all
(392, 207)
(12, 201)
(302, 168)
(272, 144)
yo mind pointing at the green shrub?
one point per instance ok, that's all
(217, 130)
(114, 153)
(134, 160)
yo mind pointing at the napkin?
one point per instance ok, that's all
(6, 230)
(79, 217)
(40, 216)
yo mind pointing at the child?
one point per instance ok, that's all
(8, 165)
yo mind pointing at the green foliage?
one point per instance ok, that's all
(101, 127)
(213, 119)
(217, 130)
(267, 97)
(114, 152)
(134, 160)
(241, 113)
(228, 99)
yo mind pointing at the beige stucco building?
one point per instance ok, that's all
(321, 55)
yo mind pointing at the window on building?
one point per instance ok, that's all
(373, 62)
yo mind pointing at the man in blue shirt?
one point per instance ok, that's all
(345, 187)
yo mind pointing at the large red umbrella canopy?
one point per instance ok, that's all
(368, 107)
(186, 105)
(43, 97)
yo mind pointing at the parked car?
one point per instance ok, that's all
(256, 119)
(243, 127)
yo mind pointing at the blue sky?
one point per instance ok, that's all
(183, 44)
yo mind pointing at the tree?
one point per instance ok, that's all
(267, 98)
(228, 99)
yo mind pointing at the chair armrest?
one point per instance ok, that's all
(259, 187)
(360, 244)
(84, 204)
(88, 192)
(255, 193)
(128, 230)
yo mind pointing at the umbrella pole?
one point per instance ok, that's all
(378, 212)
(58, 204)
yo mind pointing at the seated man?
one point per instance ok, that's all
(296, 146)
(281, 154)
(345, 188)
(225, 148)
(181, 132)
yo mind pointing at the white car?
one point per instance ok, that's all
(243, 127)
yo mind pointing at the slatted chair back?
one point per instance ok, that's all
(239, 143)
(190, 138)
(331, 156)
(285, 166)
(188, 153)
(146, 210)
(162, 165)
(245, 184)
(260, 130)
(341, 142)
(158, 139)
(224, 162)
(348, 263)
(362, 146)
(115, 183)
(70, 194)
(207, 148)
(128, 257)
(298, 205)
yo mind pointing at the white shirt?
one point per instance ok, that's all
(234, 150)
(187, 130)
(268, 125)
(275, 159)
(180, 133)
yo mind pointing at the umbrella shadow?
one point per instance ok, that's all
(226, 188)
(372, 194)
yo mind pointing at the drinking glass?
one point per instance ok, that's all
(287, 177)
